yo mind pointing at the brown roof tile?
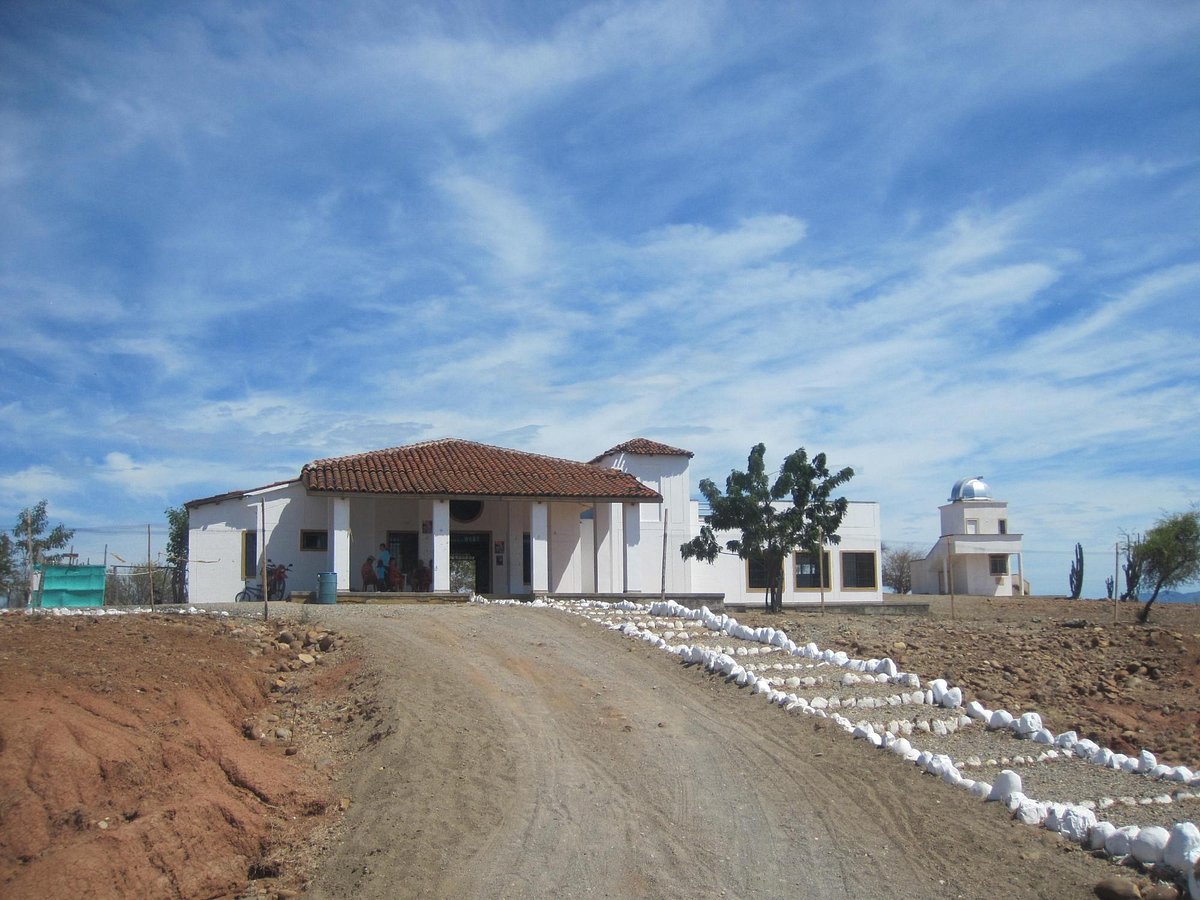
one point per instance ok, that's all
(465, 468)
(645, 447)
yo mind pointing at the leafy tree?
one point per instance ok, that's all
(9, 576)
(1170, 554)
(177, 549)
(34, 543)
(897, 567)
(770, 529)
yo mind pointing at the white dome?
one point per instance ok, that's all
(970, 489)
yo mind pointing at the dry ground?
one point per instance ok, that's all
(473, 751)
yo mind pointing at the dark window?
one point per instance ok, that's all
(526, 559)
(1004, 526)
(858, 570)
(756, 574)
(465, 510)
(314, 540)
(998, 565)
(249, 554)
(807, 574)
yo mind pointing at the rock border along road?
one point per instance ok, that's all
(531, 753)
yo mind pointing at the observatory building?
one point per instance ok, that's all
(976, 553)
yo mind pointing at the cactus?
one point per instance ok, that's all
(1077, 573)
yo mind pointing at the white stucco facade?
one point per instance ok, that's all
(509, 546)
(977, 554)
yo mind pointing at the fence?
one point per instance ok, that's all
(144, 585)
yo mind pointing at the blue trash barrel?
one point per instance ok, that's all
(327, 587)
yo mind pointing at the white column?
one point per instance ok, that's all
(539, 547)
(1021, 575)
(339, 526)
(441, 545)
(610, 560)
(632, 559)
(516, 547)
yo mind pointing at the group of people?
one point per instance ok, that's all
(382, 573)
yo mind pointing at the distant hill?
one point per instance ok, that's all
(1174, 597)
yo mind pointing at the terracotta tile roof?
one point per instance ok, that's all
(645, 447)
(465, 468)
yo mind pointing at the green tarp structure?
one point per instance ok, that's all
(72, 586)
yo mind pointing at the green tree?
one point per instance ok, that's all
(177, 550)
(34, 543)
(770, 529)
(1170, 554)
(897, 567)
(9, 576)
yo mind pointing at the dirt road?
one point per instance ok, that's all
(530, 753)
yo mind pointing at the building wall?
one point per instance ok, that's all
(860, 532)
(986, 513)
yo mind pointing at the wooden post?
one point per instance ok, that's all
(1116, 580)
(29, 553)
(821, 567)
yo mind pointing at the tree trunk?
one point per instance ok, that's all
(1144, 614)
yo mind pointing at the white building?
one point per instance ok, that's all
(501, 522)
(976, 551)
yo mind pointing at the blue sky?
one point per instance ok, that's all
(930, 239)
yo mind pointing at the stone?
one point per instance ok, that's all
(1183, 848)
(1161, 892)
(1007, 782)
(1114, 887)
(307, 658)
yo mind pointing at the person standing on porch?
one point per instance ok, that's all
(381, 566)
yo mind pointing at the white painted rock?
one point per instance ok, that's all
(1027, 725)
(1183, 848)
(1117, 844)
(1146, 761)
(976, 710)
(1076, 823)
(1043, 736)
(901, 746)
(1149, 845)
(1006, 783)
(1001, 718)
(1098, 834)
(952, 698)
(1066, 740)
(1030, 812)
(980, 790)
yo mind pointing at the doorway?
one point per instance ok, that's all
(403, 547)
(470, 562)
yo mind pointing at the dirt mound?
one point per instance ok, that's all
(139, 756)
